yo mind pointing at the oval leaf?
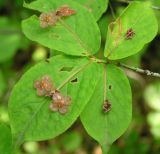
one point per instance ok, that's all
(31, 118)
(79, 35)
(131, 31)
(106, 127)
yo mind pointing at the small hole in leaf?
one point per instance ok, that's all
(74, 80)
(66, 69)
(110, 87)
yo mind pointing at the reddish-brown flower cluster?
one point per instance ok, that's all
(51, 18)
(45, 87)
(60, 103)
(106, 106)
(48, 19)
(65, 11)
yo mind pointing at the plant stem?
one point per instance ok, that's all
(139, 70)
(105, 149)
(105, 82)
(95, 59)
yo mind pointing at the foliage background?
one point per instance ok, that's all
(17, 54)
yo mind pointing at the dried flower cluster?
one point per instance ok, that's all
(48, 19)
(45, 87)
(60, 103)
(51, 18)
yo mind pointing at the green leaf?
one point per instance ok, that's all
(73, 35)
(5, 139)
(96, 7)
(140, 17)
(31, 118)
(107, 127)
(10, 39)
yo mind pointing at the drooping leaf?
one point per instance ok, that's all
(31, 118)
(97, 7)
(140, 18)
(9, 39)
(74, 35)
(107, 127)
(5, 139)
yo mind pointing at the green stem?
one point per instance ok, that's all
(105, 82)
(105, 149)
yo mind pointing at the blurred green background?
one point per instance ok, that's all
(17, 54)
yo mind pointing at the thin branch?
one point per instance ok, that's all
(139, 70)
(105, 82)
